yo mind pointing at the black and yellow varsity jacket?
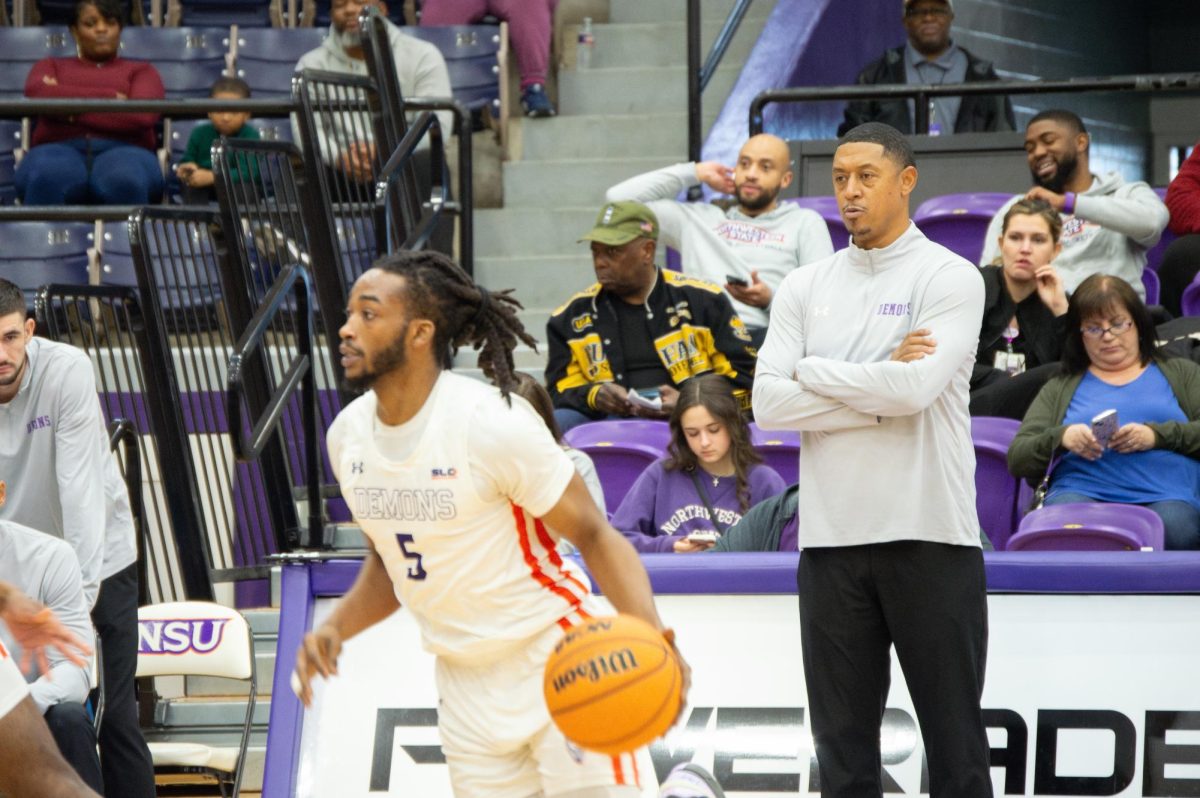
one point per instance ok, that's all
(696, 332)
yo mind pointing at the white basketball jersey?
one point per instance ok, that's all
(471, 561)
(12, 683)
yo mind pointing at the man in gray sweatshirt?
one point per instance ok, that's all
(64, 481)
(749, 248)
(1108, 224)
(869, 355)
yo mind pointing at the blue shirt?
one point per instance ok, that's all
(949, 67)
(1140, 477)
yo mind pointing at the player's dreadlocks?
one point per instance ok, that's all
(463, 313)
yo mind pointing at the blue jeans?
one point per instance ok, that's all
(1181, 521)
(568, 417)
(89, 172)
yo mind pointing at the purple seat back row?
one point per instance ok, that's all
(1089, 527)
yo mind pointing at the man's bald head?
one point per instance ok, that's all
(763, 169)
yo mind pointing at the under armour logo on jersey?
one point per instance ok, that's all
(356, 468)
(821, 310)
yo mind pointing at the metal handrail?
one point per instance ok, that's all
(698, 76)
(13, 109)
(122, 430)
(1186, 81)
(439, 200)
(300, 374)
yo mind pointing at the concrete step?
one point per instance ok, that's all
(608, 136)
(629, 90)
(664, 43)
(523, 357)
(576, 182)
(532, 231)
(543, 281)
(656, 10)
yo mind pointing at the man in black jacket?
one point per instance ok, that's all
(930, 58)
(624, 346)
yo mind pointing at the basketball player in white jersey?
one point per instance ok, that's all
(455, 484)
(30, 764)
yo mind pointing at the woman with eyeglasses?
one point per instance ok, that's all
(1110, 363)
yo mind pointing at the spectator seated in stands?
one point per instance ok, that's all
(195, 171)
(46, 569)
(757, 241)
(104, 158)
(529, 26)
(1181, 261)
(347, 141)
(1108, 224)
(930, 58)
(532, 391)
(1110, 363)
(624, 346)
(1024, 314)
(710, 477)
(771, 525)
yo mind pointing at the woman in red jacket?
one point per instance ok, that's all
(100, 158)
(1181, 261)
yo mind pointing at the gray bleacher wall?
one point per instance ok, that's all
(1025, 39)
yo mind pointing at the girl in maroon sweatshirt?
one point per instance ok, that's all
(100, 158)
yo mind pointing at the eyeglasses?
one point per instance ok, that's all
(1096, 331)
(935, 11)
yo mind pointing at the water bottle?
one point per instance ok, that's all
(587, 45)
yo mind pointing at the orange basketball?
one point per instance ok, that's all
(613, 684)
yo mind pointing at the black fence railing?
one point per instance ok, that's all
(252, 437)
(921, 95)
(698, 76)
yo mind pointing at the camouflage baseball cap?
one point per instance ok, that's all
(622, 222)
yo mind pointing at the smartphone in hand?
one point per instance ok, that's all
(733, 279)
(1105, 426)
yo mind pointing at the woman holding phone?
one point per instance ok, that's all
(1110, 364)
(710, 477)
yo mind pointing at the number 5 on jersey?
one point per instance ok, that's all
(415, 570)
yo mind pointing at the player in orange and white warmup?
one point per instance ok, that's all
(455, 484)
(30, 764)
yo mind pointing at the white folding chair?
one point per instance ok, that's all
(196, 638)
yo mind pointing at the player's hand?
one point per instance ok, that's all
(1132, 438)
(758, 294)
(916, 345)
(716, 176)
(685, 671)
(1050, 289)
(686, 546)
(613, 400)
(1056, 201)
(1078, 438)
(35, 627)
(317, 655)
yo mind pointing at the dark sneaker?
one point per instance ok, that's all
(535, 102)
(690, 781)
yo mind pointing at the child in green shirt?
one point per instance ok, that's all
(195, 172)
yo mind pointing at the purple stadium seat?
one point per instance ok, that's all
(828, 209)
(1154, 255)
(1150, 282)
(1190, 302)
(996, 490)
(780, 449)
(959, 221)
(1089, 527)
(621, 450)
